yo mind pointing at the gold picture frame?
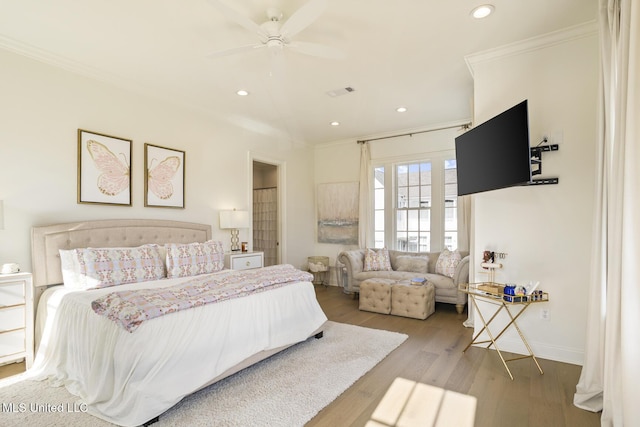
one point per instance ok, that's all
(104, 169)
(164, 172)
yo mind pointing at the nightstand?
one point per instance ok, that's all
(243, 260)
(16, 318)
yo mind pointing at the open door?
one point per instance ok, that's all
(265, 211)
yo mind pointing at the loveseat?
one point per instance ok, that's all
(406, 266)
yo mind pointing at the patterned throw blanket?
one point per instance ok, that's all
(130, 308)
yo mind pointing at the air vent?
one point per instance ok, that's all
(340, 92)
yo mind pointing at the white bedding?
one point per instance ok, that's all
(130, 378)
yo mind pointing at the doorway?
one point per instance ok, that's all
(265, 211)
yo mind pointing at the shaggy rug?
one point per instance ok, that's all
(287, 389)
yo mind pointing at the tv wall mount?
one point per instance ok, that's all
(536, 163)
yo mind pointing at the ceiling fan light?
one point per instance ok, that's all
(482, 11)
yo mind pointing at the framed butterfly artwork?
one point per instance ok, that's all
(104, 169)
(163, 177)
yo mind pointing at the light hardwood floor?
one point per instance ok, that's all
(433, 355)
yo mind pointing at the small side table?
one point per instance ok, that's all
(319, 267)
(243, 260)
(491, 293)
(16, 318)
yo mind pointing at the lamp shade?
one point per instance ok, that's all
(234, 219)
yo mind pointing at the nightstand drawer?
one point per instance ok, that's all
(12, 318)
(12, 342)
(12, 293)
(246, 262)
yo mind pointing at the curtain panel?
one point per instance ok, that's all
(611, 373)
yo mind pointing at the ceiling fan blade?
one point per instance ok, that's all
(237, 17)
(319, 50)
(234, 50)
(302, 18)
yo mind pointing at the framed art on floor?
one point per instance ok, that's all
(104, 175)
(163, 177)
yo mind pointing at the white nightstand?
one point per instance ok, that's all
(243, 260)
(16, 318)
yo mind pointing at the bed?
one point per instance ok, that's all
(130, 377)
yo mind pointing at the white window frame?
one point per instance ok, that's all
(437, 228)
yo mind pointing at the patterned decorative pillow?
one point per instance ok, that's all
(192, 259)
(415, 264)
(447, 262)
(102, 267)
(376, 260)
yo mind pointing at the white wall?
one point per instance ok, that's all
(546, 230)
(41, 108)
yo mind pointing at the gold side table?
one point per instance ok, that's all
(493, 294)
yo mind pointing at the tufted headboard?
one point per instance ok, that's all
(47, 240)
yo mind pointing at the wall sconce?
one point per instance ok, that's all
(234, 220)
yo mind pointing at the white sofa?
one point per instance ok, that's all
(408, 265)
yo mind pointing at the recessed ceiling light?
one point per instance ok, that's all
(242, 92)
(401, 109)
(334, 123)
(482, 11)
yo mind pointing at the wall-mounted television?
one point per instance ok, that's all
(495, 154)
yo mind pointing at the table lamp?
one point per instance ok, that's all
(234, 220)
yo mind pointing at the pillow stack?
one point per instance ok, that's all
(93, 268)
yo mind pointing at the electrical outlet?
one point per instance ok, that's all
(544, 314)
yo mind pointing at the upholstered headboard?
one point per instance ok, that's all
(47, 240)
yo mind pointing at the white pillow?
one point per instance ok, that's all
(70, 268)
(415, 264)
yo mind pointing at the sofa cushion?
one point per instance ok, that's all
(416, 264)
(376, 260)
(447, 262)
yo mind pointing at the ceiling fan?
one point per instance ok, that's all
(276, 34)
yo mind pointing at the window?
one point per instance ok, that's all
(450, 205)
(415, 207)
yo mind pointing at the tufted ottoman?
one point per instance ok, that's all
(409, 300)
(375, 295)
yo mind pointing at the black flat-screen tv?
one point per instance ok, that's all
(495, 154)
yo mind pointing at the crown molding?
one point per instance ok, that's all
(575, 32)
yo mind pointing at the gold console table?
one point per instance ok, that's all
(514, 305)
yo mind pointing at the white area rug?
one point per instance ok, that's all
(287, 389)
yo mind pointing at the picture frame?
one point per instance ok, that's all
(164, 172)
(104, 169)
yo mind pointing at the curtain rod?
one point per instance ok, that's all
(463, 125)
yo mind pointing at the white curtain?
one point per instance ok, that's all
(611, 372)
(464, 222)
(265, 224)
(365, 189)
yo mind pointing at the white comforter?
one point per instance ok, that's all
(130, 378)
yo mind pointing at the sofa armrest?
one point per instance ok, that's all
(354, 263)
(461, 275)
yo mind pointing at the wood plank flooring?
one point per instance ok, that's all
(433, 355)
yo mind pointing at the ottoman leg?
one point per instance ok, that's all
(459, 308)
